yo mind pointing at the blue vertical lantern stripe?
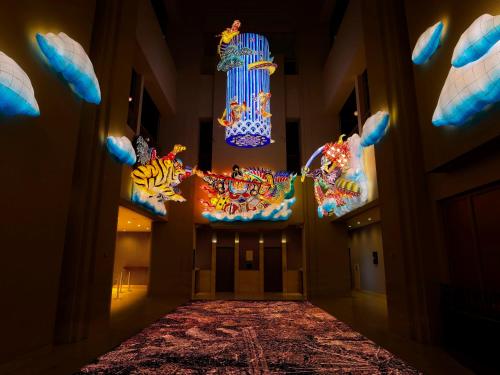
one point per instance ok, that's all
(252, 130)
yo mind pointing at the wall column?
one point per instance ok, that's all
(404, 204)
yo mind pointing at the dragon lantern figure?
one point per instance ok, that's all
(227, 35)
(248, 194)
(231, 55)
(340, 182)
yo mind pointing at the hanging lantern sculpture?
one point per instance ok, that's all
(247, 60)
(340, 182)
(248, 194)
(156, 179)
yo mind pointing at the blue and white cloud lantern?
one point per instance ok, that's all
(375, 128)
(427, 44)
(152, 204)
(473, 82)
(479, 37)
(67, 57)
(122, 150)
(17, 96)
(274, 212)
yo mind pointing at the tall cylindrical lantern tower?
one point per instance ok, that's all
(248, 92)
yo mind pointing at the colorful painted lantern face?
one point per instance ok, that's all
(247, 60)
(340, 182)
(248, 194)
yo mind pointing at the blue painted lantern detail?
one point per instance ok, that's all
(427, 44)
(67, 57)
(252, 130)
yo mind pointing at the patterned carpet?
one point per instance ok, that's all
(237, 337)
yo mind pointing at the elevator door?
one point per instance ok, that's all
(273, 273)
(224, 274)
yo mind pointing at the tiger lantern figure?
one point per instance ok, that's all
(159, 177)
(155, 179)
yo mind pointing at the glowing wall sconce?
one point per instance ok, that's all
(17, 96)
(375, 128)
(67, 57)
(427, 44)
(473, 81)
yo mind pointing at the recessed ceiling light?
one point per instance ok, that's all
(369, 219)
(356, 113)
(147, 228)
(139, 225)
(129, 222)
(129, 98)
(359, 222)
(350, 226)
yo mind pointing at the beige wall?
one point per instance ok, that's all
(363, 242)
(34, 212)
(346, 59)
(159, 67)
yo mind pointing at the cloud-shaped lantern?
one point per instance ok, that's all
(152, 204)
(17, 96)
(275, 212)
(67, 57)
(374, 128)
(470, 88)
(427, 44)
(479, 37)
(121, 148)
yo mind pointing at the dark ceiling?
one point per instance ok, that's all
(262, 16)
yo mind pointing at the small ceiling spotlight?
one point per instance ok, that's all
(129, 222)
(129, 99)
(356, 113)
(359, 222)
(369, 219)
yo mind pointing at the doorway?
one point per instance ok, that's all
(224, 270)
(131, 261)
(273, 270)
